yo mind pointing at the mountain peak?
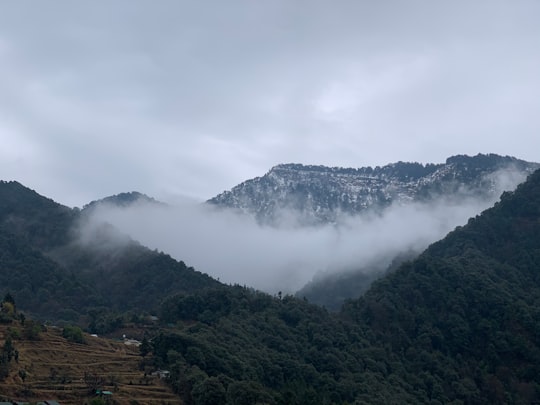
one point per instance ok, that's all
(319, 194)
(123, 200)
(486, 160)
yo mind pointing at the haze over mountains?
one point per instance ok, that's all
(59, 265)
(294, 194)
(279, 231)
(202, 185)
(457, 324)
(361, 222)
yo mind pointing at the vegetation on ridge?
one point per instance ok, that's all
(57, 269)
(459, 324)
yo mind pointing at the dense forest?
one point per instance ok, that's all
(59, 267)
(458, 324)
(331, 290)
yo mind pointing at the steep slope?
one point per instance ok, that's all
(30, 225)
(465, 316)
(39, 283)
(332, 290)
(310, 195)
(458, 325)
(57, 265)
(38, 220)
(316, 195)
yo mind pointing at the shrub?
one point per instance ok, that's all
(73, 334)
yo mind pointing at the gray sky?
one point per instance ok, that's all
(190, 98)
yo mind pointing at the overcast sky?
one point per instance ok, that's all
(191, 98)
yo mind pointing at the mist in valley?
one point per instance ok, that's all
(234, 248)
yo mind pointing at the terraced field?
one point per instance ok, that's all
(69, 372)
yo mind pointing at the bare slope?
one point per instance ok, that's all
(69, 372)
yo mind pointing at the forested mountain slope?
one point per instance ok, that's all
(58, 265)
(462, 185)
(460, 325)
(465, 316)
(332, 290)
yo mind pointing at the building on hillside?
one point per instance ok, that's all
(132, 342)
(161, 374)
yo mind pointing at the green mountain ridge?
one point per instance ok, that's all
(315, 195)
(468, 308)
(55, 272)
(460, 324)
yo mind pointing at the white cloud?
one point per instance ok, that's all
(235, 249)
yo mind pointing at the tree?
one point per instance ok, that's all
(209, 392)
(8, 349)
(6, 355)
(8, 305)
(31, 330)
(8, 308)
(247, 393)
(73, 334)
(145, 347)
(9, 298)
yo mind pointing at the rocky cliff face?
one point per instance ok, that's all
(311, 195)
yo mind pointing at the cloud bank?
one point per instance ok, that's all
(235, 249)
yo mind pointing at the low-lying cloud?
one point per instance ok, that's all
(235, 249)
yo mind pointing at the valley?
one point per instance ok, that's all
(269, 202)
(455, 323)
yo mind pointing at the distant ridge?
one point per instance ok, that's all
(317, 194)
(123, 200)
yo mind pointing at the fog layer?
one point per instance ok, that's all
(235, 249)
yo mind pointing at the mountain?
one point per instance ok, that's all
(312, 195)
(464, 319)
(460, 324)
(123, 200)
(445, 194)
(60, 264)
